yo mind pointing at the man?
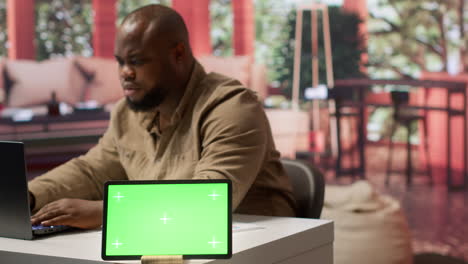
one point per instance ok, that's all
(176, 122)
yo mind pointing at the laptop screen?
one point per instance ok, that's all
(177, 217)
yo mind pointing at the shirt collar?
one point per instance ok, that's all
(198, 74)
(148, 118)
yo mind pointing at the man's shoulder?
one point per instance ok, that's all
(226, 98)
(218, 87)
(217, 80)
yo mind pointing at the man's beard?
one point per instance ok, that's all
(149, 101)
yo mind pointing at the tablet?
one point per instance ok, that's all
(191, 218)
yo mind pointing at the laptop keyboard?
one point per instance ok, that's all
(41, 230)
(38, 227)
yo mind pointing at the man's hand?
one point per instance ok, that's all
(72, 212)
(32, 201)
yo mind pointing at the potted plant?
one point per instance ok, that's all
(347, 48)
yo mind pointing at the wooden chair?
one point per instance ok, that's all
(406, 117)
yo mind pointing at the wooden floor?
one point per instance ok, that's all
(438, 218)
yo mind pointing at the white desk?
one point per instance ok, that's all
(280, 240)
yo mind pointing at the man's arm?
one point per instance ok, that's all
(82, 177)
(235, 135)
(71, 194)
(32, 201)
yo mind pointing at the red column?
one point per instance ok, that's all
(196, 15)
(244, 27)
(104, 29)
(360, 7)
(20, 24)
(437, 130)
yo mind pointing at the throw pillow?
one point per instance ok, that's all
(103, 80)
(34, 82)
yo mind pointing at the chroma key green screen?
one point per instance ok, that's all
(190, 218)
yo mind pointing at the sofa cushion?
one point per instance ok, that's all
(33, 82)
(103, 83)
(237, 67)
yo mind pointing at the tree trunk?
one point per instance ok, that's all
(463, 48)
(443, 40)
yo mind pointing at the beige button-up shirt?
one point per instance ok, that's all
(218, 131)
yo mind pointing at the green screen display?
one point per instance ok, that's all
(160, 218)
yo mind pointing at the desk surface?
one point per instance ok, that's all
(279, 240)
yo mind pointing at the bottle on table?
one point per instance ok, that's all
(53, 108)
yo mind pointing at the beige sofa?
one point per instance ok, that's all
(77, 79)
(29, 84)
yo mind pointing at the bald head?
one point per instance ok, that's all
(155, 23)
(154, 56)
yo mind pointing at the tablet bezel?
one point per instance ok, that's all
(136, 182)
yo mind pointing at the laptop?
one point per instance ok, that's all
(191, 218)
(15, 216)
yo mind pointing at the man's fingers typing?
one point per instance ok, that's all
(44, 216)
(47, 212)
(59, 220)
(72, 212)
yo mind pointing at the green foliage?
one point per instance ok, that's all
(272, 33)
(407, 37)
(346, 49)
(3, 29)
(222, 27)
(63, 28)
(124, 7)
